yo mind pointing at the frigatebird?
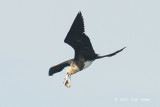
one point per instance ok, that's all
(84, 52)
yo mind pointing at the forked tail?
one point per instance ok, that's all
(112, 54)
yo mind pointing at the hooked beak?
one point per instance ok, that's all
(67, 80)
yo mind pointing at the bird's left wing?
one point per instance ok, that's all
(59, 67)
(78, 40)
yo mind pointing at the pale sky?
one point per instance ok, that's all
(31, 41)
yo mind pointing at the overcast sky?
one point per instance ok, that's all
(31, 41)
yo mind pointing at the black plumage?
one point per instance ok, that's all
(59, 67)
(80, 42)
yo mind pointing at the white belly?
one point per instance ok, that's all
(87, 64)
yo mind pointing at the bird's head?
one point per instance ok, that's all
(68, 71)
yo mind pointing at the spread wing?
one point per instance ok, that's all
(59, 67)
(112, 54)
(77, 39)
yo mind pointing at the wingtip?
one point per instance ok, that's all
(79, 12)
(124, 47)
(49, 73)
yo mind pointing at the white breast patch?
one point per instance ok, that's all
(87, 63)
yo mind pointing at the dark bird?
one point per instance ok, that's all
(84, 52)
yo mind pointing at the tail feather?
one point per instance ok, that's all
(112, 54)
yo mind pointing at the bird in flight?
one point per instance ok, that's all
(84, 52)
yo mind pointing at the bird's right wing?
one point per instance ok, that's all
(112, 54)
(59, 67)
